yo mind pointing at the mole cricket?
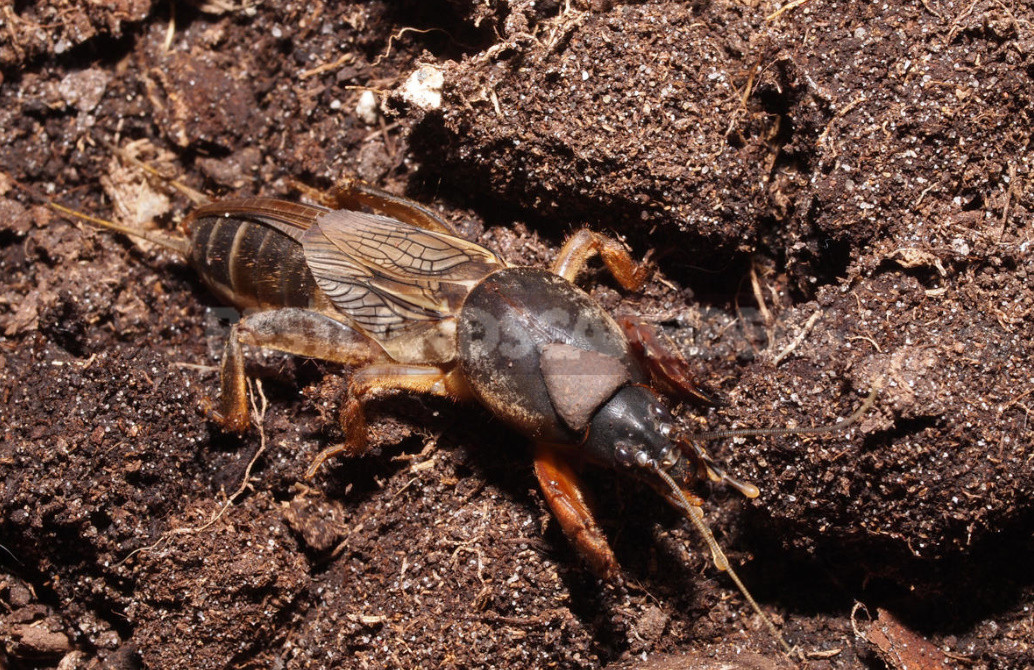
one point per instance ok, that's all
(409, 305)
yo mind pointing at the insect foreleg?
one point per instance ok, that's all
(668, 367)
(563, 492)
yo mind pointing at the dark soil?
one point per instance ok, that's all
(838, 196)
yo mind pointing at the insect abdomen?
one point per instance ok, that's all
(251, 265)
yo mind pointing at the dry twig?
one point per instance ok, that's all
(797, 340)
(793, 4)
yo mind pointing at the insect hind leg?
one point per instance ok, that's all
(232, 411)
(581, 246)
(354, 194)
(294, 331)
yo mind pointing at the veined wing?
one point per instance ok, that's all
(387, 275)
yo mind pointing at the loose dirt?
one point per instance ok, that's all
(838, 194)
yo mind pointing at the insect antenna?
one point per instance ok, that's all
(690, 444)
(812, 430)
(721, 561)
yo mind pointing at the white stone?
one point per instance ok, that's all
(423, 89)
(368, 108)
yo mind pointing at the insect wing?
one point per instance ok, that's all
(386, 275)
(290, 218)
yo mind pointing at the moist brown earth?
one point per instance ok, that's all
(838, 195)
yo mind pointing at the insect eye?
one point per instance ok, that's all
(668, 458)
(623, 454)
(642, 459)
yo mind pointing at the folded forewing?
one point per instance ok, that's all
(387, 275)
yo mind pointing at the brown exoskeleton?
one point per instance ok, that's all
(411, 306)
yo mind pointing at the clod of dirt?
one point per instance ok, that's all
(320, 523)
(198, 100)
(901, 648)
(14, 217)
(702, 661)
(423, 88)
(54, 28)
(599, 112)
(257, 583)
(35, 641)
(84, 89)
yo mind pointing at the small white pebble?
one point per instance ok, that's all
(368, 108)
(423, 89)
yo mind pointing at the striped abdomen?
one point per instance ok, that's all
(251, 265)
